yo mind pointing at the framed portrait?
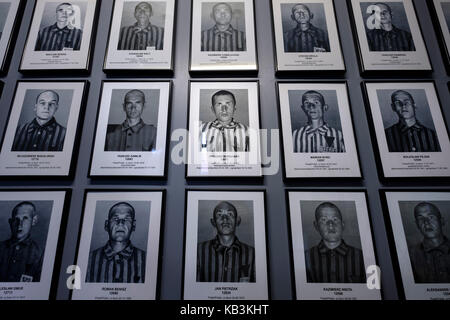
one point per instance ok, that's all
(224, 130)
(409, 130)
(225, 254)
(223, 36)
(318, 137)
(30, 223)
(420, 232)
(306, 36)
(119, 245)
(388, 36)
(61, 36)
(132, 126)
(141, 36)
(42, 131)
(332, 245)
(441, 18)
(9, 10)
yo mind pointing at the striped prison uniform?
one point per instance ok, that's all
(217, 263)
(216, 137)
(228, 40)
(417, 138)
(34, 137)
(122, 137)
(344, 264)
(52, 38)
(312, 40)
(324, 139)
(20, 261)
(126, 266)
(394, 40)
(136, 38)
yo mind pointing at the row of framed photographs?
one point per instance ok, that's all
(225, 250)
(141, 35)
(223, 136)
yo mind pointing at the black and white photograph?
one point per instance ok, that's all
(59, 37)
(419, 222)
(332, 245)
(132, 126)
(318, 137)
(389, 36)
(224, 129)
(223, 39)
(8, 17)
(29, 225)
(410, 131)
(42, 129)
(119, 246)
(141, 35)
(441, 17)
(225, 246)
(306, 35)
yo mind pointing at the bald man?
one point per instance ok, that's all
(225, 258)
(133, 134)
(43, 133)
(305, 37)
(430, 259)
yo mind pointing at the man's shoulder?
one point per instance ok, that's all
(246, 246)
(402, 31)
(112, 128)
(138, 250)
(317, 30)
(157, 28)
(61, 127)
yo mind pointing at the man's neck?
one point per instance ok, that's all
(333, 244)
(118, 246)
(222, 27)
(133, 122)
(433, 242)
(386, 26)
(409, 122)
(226, 240)
(225, 123)
(317, 123)
(42, 122)
(61, 25)
(143, 25)
(304, 26)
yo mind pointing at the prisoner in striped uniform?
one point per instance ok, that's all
(305, 37)
(142, 35)
(43, 133)
(20, 256)
(223, 37)
(62, 34)
(225, 258)
(317, 136)
(224, 134)
(119, 261)
(408, 134)
(332, 260)
(388, 37)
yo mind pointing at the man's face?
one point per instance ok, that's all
(224, 108)
(46, 106)
(222, 14)
(329, 224)
(301, 14)
(134, 106)
(225, 221)
(404, 106)
(63, 12)
(313, 107)
(22, 222)
(428, 222)
(385, 14)
(142, 13)
(120, 225)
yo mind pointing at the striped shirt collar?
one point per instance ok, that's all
(392, 33)
(219, 247)
(444, 247)
(342, 249)
(322, 130)
(125, 253)
(50, 125)
(135, 128)
(229, 31)
(311, 30)
(136, 28)
(55, 28)
(216, 124)
(24, 243)
(404, 128)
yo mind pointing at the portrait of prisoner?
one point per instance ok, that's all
(304, 28)
(427, 231)
(25, 223)
(387, 27)
(61, 27)
(139, 31)
(402, 117)
(224, 257)
(119, 260)
(224, 133)
(38, 128)
(329, 258)
(315, 122)
(127, 130)
(223, 27)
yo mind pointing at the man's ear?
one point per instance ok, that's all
(316, 226)
(213, 222)
(325, 107)
(238, 221)
(393, 107)
(107, 226)
(133, 227)
(34, 220)
(311, 16)
(293, 17)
